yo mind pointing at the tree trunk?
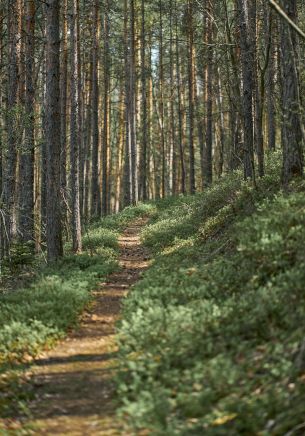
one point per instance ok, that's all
(63, 100)
(9, 185)
(105, 147)
(207, 161)
(143, 159)
(191, 77)
(247, 65)
(75, 138)
(180, 110)
(270, 78)
(27, 156)
(292, 135)
(53, 210)
(161, 101)
(95, 188)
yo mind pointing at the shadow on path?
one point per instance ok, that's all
(74, 383)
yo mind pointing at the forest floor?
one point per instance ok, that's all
(75, 393)
(212, 335)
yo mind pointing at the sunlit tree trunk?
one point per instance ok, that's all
(63, 109)
(106, 127)
(95, 188)
(143, 158)
(75, 138)
(161, 101)
(172, 122)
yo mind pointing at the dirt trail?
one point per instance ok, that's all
(74, 382)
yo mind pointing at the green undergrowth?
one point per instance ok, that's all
(213, 337)
(35, 317)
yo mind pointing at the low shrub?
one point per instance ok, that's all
(212, 338)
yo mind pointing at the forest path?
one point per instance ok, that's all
(74, 382)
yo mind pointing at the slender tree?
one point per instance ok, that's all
(53, 210)
(292, 134)
(9, 185)
(75, 138)
(95, 188)
(27, 155)
(245, 11)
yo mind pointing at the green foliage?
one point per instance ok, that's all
(118, 221)
(21, 258)
(30, 318)
(35, 317)
(211, 336)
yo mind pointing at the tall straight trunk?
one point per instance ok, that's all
(247, 64)
(191, 77)
(27, 156)
(143, 159)
(292, 134)
(132, 104)
(173, 150)
(131, 178)
(120, 150)
(95, 188)
(43, 161)
(150, 104)
(200, 121)
(87, 142)
(207, 161)
(9, 185)
(2, 236)
(161, 101)
(234, 95)
(259, 96)
(106, 127)
(127, 150)
(259, 119)
(63, 100)
(75, 131)
(53, 210)
(270, 79)
(80, 84)
(180, 113)
(221, 121)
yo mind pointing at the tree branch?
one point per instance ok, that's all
(282, 13)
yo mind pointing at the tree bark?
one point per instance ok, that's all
(53, 210)
(143, 159)
(292, 134)
(75, 138)
(95, 188)
(9, 185)
(247, 65)
(105, 146)
(208, 158)
(27, 156)
(191, 80)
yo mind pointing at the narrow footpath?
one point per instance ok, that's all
(74, 382)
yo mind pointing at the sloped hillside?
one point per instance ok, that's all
(212, 340)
